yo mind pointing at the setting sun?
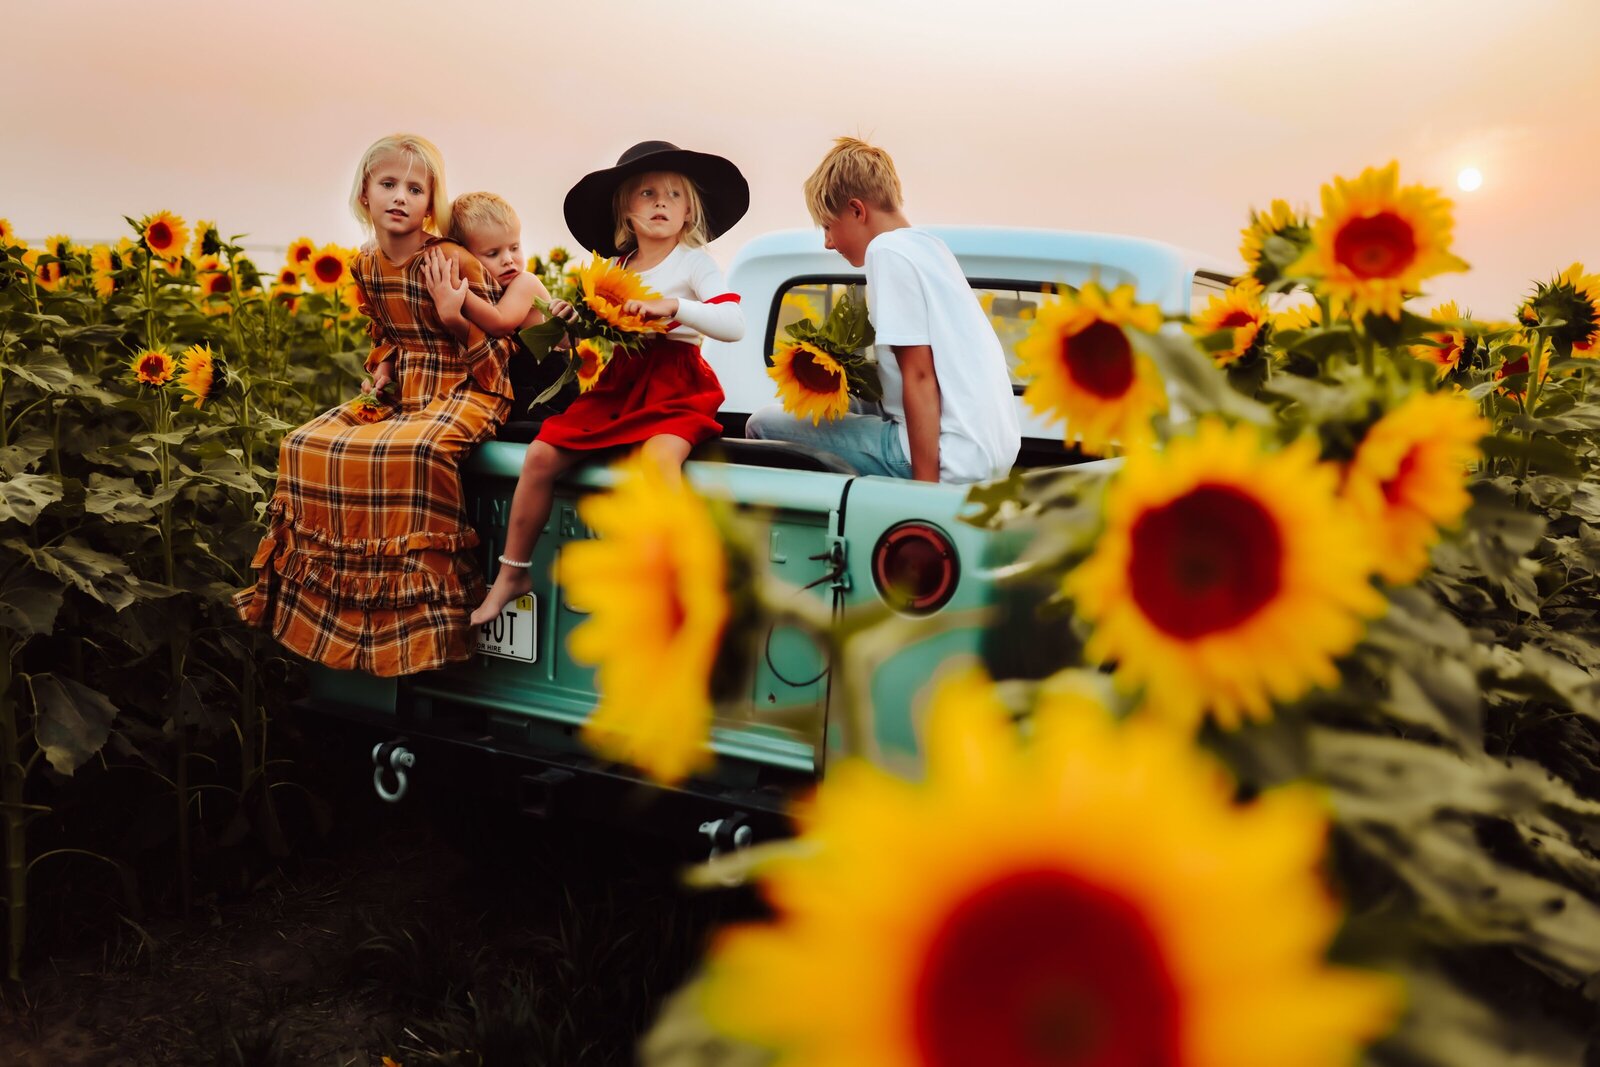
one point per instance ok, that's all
(1469, 179)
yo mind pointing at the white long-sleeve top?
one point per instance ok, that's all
(705, 306)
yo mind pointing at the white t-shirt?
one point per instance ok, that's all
(918, 295)
(705, 307)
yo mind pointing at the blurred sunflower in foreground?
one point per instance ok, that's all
(1000, 912)
(654, 585)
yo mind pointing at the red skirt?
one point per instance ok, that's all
(666, 388)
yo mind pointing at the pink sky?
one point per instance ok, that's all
(1163, 119)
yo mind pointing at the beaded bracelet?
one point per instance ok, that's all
(515, 562)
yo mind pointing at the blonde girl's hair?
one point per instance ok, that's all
(694, 232)
(852, 170)
(471, 212)
(421, 150)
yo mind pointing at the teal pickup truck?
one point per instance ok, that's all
(508, 720)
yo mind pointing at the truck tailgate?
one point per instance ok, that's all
(535, 692)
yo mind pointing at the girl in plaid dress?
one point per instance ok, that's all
(653, 211)
(367, 563)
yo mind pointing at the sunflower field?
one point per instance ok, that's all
(1316, 777)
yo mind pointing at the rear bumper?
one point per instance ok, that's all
(452, 755)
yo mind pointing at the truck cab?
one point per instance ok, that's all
(509, 718)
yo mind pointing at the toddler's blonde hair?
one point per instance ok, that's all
(694, 232)
(470, 212)
(421, 150)
(852, 170)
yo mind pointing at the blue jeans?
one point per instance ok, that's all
(869, 443)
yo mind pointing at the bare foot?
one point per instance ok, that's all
(509, 583)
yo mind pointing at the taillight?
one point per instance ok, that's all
(915, 568)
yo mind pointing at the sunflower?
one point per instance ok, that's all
(592, 359)
(1408, 478)
(215, 283)
(301, 249)
(607, 286)
(1574, 300)
(1239, 310)
(1376, 242)
(1510, 367)
(153, 367)
(1298, 318)
(1226, 577)
(8, 234)
(654, 584)
(558, 256)
(207, 242)
(1280, 222)
(994, 913)
(202, 375)
(811, 383)
(329, 269)
(1443, 348)
(165, 235)
(46, 276)
(369, 408)
(1082, 366)
(104, 263)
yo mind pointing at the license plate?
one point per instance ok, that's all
(511, 634)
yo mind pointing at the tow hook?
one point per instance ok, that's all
(730, 834)
(393, 757)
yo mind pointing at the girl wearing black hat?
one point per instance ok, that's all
(652, 211)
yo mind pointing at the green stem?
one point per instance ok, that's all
(150, 302)
(169, 575)
(12, 776)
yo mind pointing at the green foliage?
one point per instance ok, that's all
(129, 511)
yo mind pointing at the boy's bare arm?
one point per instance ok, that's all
(920, 394)
(514, 310)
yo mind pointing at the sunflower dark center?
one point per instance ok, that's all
(328, 269)
(1043, 969)
(1394, 487)
(159, 236)
(1234, 319)
(1377, 246)
(302, 254)
(812, 375)
(220, 283)
(153, 366)
(1099, 359)
(1205, 562)
(588, 362)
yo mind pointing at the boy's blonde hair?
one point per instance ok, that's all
(852, 170)
(694, 233)
(471, 212)
(422, 151)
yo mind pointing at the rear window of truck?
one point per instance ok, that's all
(1010, 306)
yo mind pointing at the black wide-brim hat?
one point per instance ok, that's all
(724, 194)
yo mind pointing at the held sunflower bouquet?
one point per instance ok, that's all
(602, 293)
(821, 367)
(376, 405)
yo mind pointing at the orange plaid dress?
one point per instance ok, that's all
(367, 563)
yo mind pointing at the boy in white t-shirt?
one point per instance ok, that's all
(949, 412)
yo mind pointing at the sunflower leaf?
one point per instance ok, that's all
(24, 496)
(72, 721)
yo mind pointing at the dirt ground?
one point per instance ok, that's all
(518, 943)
